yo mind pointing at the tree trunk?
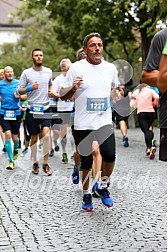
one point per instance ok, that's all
(145, 44)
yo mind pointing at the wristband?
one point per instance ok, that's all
(165, 49)
(29, 89)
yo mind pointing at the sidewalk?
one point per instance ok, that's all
(41, 213)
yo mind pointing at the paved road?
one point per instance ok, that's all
(40, 213)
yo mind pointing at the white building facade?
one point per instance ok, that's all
(9, 33)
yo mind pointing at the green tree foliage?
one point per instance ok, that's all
(9, 57)
(75, 19)
(130, 24)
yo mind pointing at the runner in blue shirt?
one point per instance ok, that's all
(10, 114)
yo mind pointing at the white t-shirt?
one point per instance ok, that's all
(66, 105)
(44, 77)
(92, 98)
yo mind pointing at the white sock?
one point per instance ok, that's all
(86, 191)
(102, 185)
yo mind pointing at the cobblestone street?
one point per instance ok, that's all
(43, 213)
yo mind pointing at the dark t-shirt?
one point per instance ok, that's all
(152, 63)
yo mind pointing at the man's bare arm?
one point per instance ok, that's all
(29, 88)
(150, 77)
(68, 93)
(162, 80)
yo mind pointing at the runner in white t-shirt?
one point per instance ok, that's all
(96, 167)
(92, 80)
(64, 108)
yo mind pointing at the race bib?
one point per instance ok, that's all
(36, 109)
(97, 104)
(10, 115)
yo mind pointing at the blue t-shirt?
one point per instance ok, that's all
(8, 101)
(155, 89)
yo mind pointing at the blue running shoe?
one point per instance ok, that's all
(87, 203)
(94, 194)
(75, 176)
(104, 195)
(125, 142)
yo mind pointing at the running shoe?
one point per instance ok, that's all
(15, 154)
(35, 168)
(4, 149)
(24, 152)
(56, 148)
(104, 195)
(47, 169)
(10, 165)
(152, 152)
(125, 142)
(154, 144)
(51, 153)
(147, 151)
(65, 159)
(75, 175)
(87, 203)
(94, 194)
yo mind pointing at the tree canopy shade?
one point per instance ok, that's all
(130, 23)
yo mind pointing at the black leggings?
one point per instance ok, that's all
(145, 120)
(106, 140)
